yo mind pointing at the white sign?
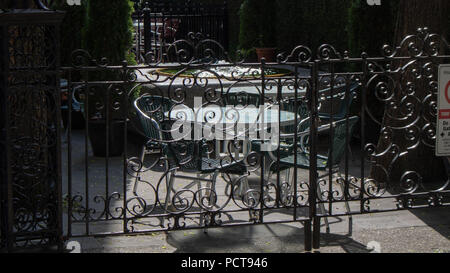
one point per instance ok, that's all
(443, 122)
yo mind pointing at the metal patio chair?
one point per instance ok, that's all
(186, 156)
(154, 107)
(324, 163)
(150, 109)
(287, 132)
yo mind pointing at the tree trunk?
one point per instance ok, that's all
(412, 14)
(418, 13)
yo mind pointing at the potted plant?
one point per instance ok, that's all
(265, 49)
(98, 128)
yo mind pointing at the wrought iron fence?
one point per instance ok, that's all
(226, 143)
(159, 23)
(202, 140)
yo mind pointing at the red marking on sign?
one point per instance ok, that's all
(447, 88)
(444, 114)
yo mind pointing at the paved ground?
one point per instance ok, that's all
(401, 231)
(421, 231)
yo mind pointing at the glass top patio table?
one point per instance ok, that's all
(233, 115)
(228, 117)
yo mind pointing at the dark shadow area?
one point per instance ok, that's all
(436, 218)
(346, 243)
(275, 238)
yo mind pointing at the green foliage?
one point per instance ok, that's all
(108, 31)
(257, 27)
(371, 27)
(108, 34)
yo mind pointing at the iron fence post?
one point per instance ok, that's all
(5, 147)
(308, 240)
(57, 97)
(147, 30)
(225, 26)
(363, 131)
(313, 158)
(30, 162)
(263, 88)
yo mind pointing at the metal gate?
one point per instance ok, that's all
(205, 141)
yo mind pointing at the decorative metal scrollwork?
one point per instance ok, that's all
(167, 198)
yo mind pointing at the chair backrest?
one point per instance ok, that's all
(183, 154)
(154, 107)
(340, 106)
(186, 154)
(339, 143)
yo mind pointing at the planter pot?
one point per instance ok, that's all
(97, 136)
(268, 53)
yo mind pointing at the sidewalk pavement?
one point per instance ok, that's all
(415, 231)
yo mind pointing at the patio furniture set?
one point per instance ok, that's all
(182, 157)
(189, 160)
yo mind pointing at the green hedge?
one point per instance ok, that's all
(102, 27)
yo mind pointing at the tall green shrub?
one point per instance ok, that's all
(108, 34)
(108, 31)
